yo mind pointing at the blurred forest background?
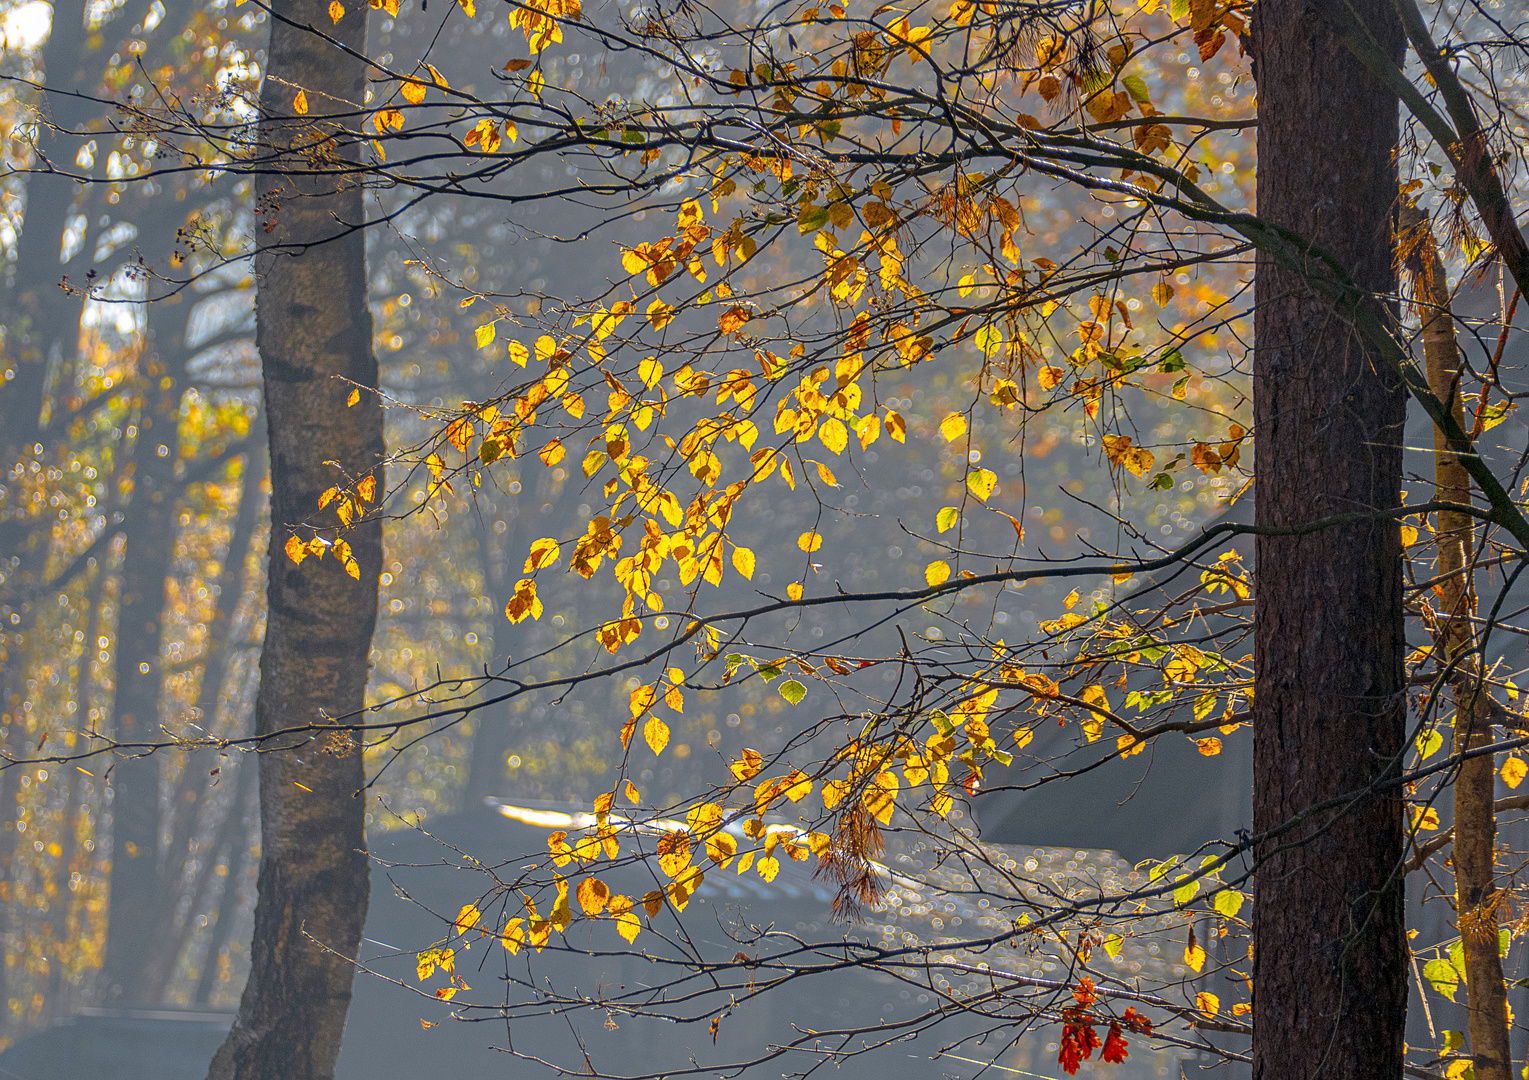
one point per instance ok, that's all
(133, 505)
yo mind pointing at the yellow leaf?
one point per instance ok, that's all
(826, 475)
(1050, 377)
(981, 483)
(809, 541)
(656, 732)
(593, 895)
(660, 315)
(544, 552)
(768, 868)
(868, 430)
(1209, 747)
(300, 104)
(743, 562)
(629, 926)
(1427, 820)
(552, 453)
(897, 427)
(833, 435)
(732, 320)
(296, 550)
(519, 354)
(1207, 1003)
(1162, 292)
(953, 427)
(336, 12)
(937, 572)
(354, 398)
(1194, 956)
(467, 918)
(484, 335)
(367, 488)
(1513, 771)
(794, 590)
(413, 92)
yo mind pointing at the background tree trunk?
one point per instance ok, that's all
(314, 332)
(1329, 973)
(1477, 900)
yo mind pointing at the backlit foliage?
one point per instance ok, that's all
(964, 283)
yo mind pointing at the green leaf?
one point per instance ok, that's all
(941, 722)
(1457, 958)
(793, 691)
(1443, 976)
(1004, 758)
(1137, 88)
(1172, 360)
(1504, 939)
(1187, 891)
(769, 672)
(811, 219)
(947, 518)
(1228, 903)
(1453, 1040)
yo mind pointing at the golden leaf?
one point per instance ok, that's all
(593, 894)
(833, 435)
(732, 320)
(656, 733)
(1513, 771)
(809, 541)
(937, 572)
(300, 104)
(953, 427)
(982, 483)
(413, 92)
(336, 11)
(355, 396)
(467, 918)
(1194, 956)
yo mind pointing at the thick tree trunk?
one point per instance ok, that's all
(1329, 972)
(314, 331)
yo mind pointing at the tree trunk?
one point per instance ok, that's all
(314, 331)
(1477, 900)
(135, 778)
(1329, 972)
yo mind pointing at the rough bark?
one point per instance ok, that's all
(1329, 974)
(314, 331)
(1475, 838)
